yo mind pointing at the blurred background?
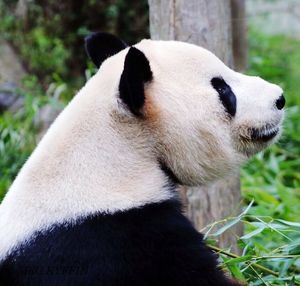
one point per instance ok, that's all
(43, 64)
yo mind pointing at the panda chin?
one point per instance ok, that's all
(255, 139)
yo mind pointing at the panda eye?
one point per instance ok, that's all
(226, 95)
(220, 85)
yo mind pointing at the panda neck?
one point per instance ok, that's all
(81, 167)
(92, 173)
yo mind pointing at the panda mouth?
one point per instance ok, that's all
(260, 135)
(264, 134)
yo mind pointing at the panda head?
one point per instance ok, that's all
(203, 118)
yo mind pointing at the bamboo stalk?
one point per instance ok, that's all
(265, 269)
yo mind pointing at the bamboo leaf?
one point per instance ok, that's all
(254, 232)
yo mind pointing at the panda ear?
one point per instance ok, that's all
(99, 46)
(135, 74)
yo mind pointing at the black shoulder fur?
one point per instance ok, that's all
(153, 245)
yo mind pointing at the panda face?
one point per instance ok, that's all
(206, 117)
(255, 115)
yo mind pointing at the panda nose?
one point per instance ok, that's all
(280, 102)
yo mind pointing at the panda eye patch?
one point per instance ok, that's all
(226, 94)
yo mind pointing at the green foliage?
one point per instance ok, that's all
(18, 131)
(270, 249)
(42, 53)
(271, 181)
(50, 41)
(49, 53)
(17, 134)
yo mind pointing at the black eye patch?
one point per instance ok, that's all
(226, 95)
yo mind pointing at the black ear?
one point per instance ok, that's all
(99, 46)
(136, 73)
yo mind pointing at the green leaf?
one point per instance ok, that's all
(290, 223)
(254, 232)
(227, 226)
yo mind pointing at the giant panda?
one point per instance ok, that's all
(97, 202)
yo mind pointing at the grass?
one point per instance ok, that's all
(270, 181)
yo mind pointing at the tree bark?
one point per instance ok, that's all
(239, 34)
(21, 9)
(206, 23)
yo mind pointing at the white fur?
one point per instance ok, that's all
(197, 140)
(97, 157)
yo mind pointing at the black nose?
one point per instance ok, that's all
(280, 102)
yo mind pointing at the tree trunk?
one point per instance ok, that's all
(206, 23)
(239, 32)
(21, 9)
